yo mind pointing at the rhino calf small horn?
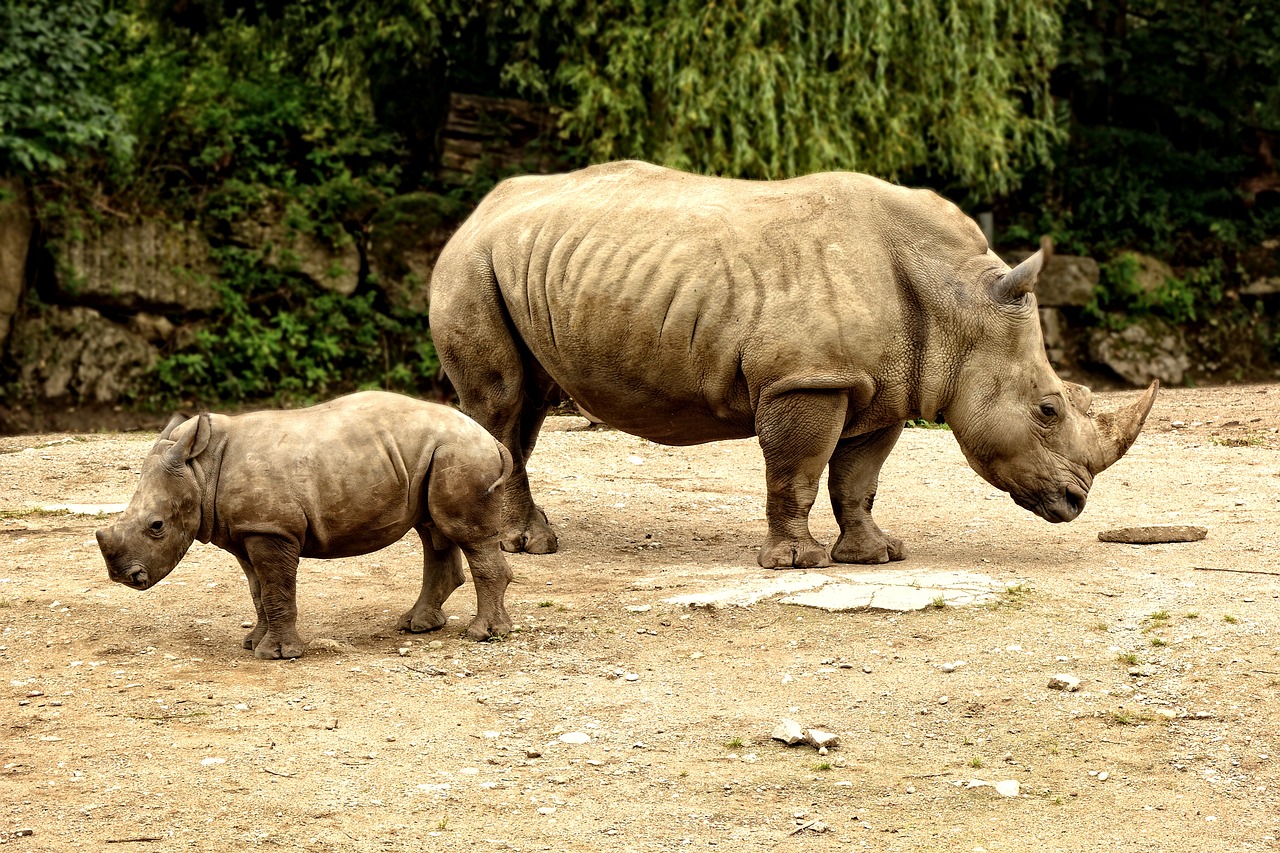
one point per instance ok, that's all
(817, 313)
(340, 479)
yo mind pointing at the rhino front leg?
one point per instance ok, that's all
(274, 562)
(442, 573)
(252, 638)
(854, 477)
(798, 432)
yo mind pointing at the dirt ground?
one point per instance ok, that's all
(136, 721)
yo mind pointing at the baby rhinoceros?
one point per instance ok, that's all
(339, 479)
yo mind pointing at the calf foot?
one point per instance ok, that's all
(419, 620)
(793, 553)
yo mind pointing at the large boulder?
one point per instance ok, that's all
(1147, 349)
(405, 238)
(151, 266)
(333, 263)
(77, 355)
(15, 240)
(1067, 282)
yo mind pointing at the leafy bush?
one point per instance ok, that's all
(277, 338)
(52, 106)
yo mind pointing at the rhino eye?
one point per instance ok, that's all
(157, 526)
(1049, 410)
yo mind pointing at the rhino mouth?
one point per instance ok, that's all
(1056, 508)
(135, 576)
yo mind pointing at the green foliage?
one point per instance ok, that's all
(1125, 293)
(280, 339)
(771, 88)
(51, 104)
(1167, 99)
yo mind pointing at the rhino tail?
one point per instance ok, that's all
(507, 467)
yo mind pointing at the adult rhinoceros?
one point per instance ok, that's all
(816, 313)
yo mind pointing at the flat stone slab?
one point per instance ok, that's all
(749, 591)
(1154, 534)
(899, 590)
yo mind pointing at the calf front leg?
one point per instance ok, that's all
(442, 573)
(275, 564)
(252, 638)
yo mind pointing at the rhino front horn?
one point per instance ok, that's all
(1118, 430)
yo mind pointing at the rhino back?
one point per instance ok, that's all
(344, 477)
(647, 292)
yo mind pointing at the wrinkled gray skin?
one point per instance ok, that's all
(336, 480)
(817, 313)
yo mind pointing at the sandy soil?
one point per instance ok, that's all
(136, 720)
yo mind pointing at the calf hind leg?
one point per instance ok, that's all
(442, 573)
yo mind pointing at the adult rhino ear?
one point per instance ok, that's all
(177, 419)
(1021, 280)
(191, 444)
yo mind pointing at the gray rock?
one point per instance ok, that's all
(15, 237)
(820, 738)
(77, 353)
(1154, 534)
(789, 732)
(1063, 681)
(1148, 349)
(151, 266)
(333, 264)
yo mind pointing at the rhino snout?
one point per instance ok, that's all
(1063, 507)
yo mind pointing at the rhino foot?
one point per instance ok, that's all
(793, 553)
(419, 621)
(879, 549)
(273, 647)
(536, 538)
(254, 637)
(482, 629)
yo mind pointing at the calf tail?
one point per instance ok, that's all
(507, 467)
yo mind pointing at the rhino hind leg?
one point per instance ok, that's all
(508, 393)
(798, 432)
(442, 573)
(854, 477)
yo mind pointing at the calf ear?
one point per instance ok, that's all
(191, 444)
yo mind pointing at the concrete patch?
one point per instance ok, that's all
(85, 509)
(900, 590)
(751, 590)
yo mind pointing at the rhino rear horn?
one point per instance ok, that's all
(1021, 280)
(1118, 430)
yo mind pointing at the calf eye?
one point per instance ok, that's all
(157, 526)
